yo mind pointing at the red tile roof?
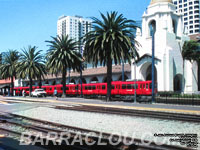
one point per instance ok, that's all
(5, 81)
(195, 37)
(94, 71)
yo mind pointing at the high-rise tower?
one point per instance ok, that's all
(75, 27)
(191, 15)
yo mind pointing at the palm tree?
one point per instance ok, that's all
(111, 40)
(8, 66)
(190, 52)
(63, 55)
(31, 65)
(1, 58)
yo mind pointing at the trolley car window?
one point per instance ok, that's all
(103, 87)
(61, 88)
(150, 87)
(123, 86)
(147, 86)
(113, 87)
(129, 86)
(93, 87)
(89, 87)
(67, 88)
(134, 86)
(76, 87)
(50, 88)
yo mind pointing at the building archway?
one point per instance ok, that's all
(46, 82)
(125, 77)
(178, 82)
(149, 73)
(54, 82)
(83, 80)
(94, 79)
(72, 81)
(105, 80)
(146, 72)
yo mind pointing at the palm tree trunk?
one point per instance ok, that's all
(64, 82)
(12, 86)
(40, 82)
(109, 77)
(30, 86)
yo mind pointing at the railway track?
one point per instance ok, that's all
(9, 123)
(131, 112)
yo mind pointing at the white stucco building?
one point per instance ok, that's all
(169, 38)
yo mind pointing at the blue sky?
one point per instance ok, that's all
(31, 22)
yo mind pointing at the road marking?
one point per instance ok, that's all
(4, 103)
(17, 101)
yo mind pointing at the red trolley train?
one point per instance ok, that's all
(119, 88)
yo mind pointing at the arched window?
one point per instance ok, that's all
(174, 24)
(152, 27)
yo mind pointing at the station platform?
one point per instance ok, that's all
(170, 108)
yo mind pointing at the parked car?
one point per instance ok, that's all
(39, 92)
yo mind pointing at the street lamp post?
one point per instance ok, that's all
(153, 80)
(81, 67)
(135, 94)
